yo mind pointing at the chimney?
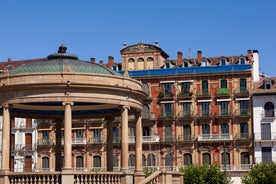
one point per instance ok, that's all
(92, 60)
(249, 55)
(179, 58)
(101, 62)
(9, 59)
(156, 43)
(110, 61)
(199, 57)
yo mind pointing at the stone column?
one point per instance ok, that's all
(6, 139)
(124, 139)
(67, 136)
(139, 174)
(109, 146)
(58, 146)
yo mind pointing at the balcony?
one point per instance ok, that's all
(237, 167)
(167, 115)
(145, 139)
(23, 127)
(265, 137)
(204, 93)
(166, 94)
(116, 140)
(205, 114)
(243, 137)
(243, 112)
(45, 142)
(186, 138)
(223, 93)
(185, 115)
(215, 137)
(241, 92)
(185, 94)
(223, 113)
(167, 139)
(76, 141)
(95, 140)
(23, 149)
(148, 116)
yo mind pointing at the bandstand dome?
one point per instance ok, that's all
(39, 89)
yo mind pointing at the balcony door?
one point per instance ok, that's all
(266, 131)
(168, 133)
(187, 132)
(266, 155)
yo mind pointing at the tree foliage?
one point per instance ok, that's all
(264, 173)
(207, 174)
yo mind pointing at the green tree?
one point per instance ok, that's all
(206, 174)
(264, 173)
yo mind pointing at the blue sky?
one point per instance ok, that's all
(98, 28)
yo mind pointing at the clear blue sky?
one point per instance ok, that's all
(98, 28)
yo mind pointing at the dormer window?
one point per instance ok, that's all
(167, 65)
(204, 62)
(267, 84)
(222, 61)
(242, 60)
(114, 67)
(185, 64)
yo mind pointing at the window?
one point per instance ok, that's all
(167, 90)
(115, 135)
(243, 87)
(186, 87)
(224, 107)
(267, 84)
(167, 110)
(140, 60)
(97, 161)
(146, 131)
(97, 135)
(225, 159)
(187, 132)
(205, 129)
(206, 158)
(131, 160)
(244, 107)
(265, 131)
(45, 135)
(131, 131)
(114, 67)
(45, 163)
(131, 60)
(79, 133)
(168, 133)
(169, 161)
(204, 87)
(145, 112)
(186, 109)
(185, 64)
(205, 108)
(79, 161)
(269, 109)
(223, 61)
(167, 65)
(244, 158)
(244, 130)
(144, 162)
(149, 59)
(242, 60)
(223, 83)
(266, 155)
(151, 160)
(115, 161)
(187, 159)
(203, 63)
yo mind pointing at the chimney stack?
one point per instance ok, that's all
(101, 62)
(249, 55)
(179, 58)
(9, 59)
(199, 57)
(156, 43)
(110, 61)
(92, 60)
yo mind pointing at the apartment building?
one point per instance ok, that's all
(264, 119)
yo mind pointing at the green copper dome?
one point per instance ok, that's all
(63, 62)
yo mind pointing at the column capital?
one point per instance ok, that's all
(68, 103)
(125, 107)
(6, 105)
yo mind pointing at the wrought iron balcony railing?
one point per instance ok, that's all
(215, 137)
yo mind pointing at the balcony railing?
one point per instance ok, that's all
(145, 139)
(185, 114)
(45, 142)
(75, 141)
(223, 92)
(23, 147)
(214, 137)
(204, 93)
(185, 94)
(116, 140)
(223, 113)
(241, 91)
(185, 138)
(95, 140)
(243, 136)
(204, 114)
(166, 93)
(269, 136)
(167, 138)
(237, 167)
(243, 112)
(167, 115)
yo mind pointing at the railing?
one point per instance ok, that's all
(214, 137)
(98, 178)
(24, 126)
(243, 136)
(243, 112)
(116, 140)
(145, 139)
(238, 167)
(23, 147)
(152, 179)
(45, 142)
(223, 92)
(166, 93)
(185, 94)
(204, 93)
(167, 115)
(185, 114)
(75, 141)
(167, 138)
(95, 140)
(185, 138)
(204, 114)
(35, 178)
(44, 170)
(241, 91)
(265, 136)
(223, 113)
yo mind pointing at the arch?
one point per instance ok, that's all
(206, 158)
(187, 159)
(269, 109)
(149, 59)
(45, 163)
(151, 160)
(140, 59)
(131, 160)
(131, 60)
(97, 161)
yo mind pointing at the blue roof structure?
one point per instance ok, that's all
(189, 70)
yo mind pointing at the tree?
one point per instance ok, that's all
(264, 173)
(207, 174)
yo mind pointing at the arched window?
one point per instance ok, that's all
(225, 158)
(149, 59)
(269, 109)
(79, 161)
(151, 160)
(45, 163)
(140, 60)
(144, 160)
(245, 160)
(187, 159)
(131, 60)
(206, 158)
(242, 60)
(131, 160)
(97, 161)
